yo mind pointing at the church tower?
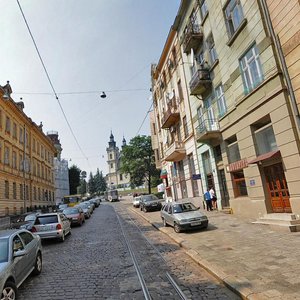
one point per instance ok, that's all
(114, 178)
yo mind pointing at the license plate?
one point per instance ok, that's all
(196, 223)
(45, 228)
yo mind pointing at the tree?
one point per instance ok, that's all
(92, 184)
(74, 179)
(137, 159)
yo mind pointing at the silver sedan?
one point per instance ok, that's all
(20, 255)
(183, 216)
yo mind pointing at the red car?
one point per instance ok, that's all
(75, 215)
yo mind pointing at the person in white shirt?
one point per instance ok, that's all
(213, 198)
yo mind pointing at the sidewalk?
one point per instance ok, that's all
(251, 259)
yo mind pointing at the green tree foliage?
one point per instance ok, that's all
(74, 179)
(82, 189)
(97, 183)
(138, 160)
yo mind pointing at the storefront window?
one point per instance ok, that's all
(239, 184)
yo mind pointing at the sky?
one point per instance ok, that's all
(88, 46)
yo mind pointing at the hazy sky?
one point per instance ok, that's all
(86, 45)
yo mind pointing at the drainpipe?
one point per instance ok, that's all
(278, 47)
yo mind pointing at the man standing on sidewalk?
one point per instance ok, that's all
(208, 200)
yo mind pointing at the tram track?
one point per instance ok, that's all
(170, 285)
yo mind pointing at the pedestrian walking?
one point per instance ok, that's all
(213, 198)
(208, 201)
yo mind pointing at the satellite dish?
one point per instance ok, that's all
(192, 57)
(171, 95)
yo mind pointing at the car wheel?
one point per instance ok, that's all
(9, 291)
(164, 222)
(62, 239)
(177, 228)
(144, 209)
(38, 265)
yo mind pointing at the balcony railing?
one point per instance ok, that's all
(171, 116)
(208, 131)
(193, 36)
(175, 152)
(200, 81)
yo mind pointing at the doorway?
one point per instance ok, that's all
(277, 188)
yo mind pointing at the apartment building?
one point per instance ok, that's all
(245, 123)
(242, 108)
(171, 124)
(26, 159)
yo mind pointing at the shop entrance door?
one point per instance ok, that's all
(277, 188)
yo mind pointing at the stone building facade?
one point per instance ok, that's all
(242, 102)
(26, 159)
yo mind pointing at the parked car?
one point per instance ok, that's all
(150, 203)
(29, 221)
(96, 201)
(136, 201)
(86, 209)
(61, 207)
(75, 215)
(52, 225)
(183, 216)
(20, 255)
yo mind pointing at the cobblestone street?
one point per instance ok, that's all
(95, 263)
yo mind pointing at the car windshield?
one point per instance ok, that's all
(147, 198)
(46, 219)
(3, 250)
(30, 218)
(183, 207)
(70, 211)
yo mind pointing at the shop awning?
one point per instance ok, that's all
(268, 155)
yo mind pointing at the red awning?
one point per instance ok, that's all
(268, 155)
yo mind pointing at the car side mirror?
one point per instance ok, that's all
(19, 253)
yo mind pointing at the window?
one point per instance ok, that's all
(15, 131)
(14, 190)
(185, 127)
(251, 69)
(206, 162)
(39, 194)
(110, 156)
(21, 163)
(21, 136)
(34, 193)
(233, 16)
(26, 237)
(203, 10)
(211, 49)
(121, 176)
(239, 184)
(265, 140)
(221, 101)
(26, 139)
(111, 165)
(1, 118)
(17, 244)
(180, 92)
(6, 189)
(21, 192)
(7, 125)
(6, 155)
(33, 145)
(14, 159)
(27, 192)
(233, 150)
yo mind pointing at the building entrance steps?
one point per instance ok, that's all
(255, 261)
(285, 221)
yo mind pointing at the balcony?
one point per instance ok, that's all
(171, 116)
(193, 36)
(200, 81)
(208, 131)
(175, 152)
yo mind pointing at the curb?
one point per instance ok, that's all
(237, 285)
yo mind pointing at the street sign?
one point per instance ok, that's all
(196, 176)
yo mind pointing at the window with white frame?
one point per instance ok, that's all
(265, 140)
(203, 10)
(221, 101)
(211, 49)
(233, 16)
(251, 69)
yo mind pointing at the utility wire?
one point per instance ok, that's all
(79, 92)
(47, 74)
(145, 118)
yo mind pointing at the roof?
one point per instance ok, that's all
(8, 232)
